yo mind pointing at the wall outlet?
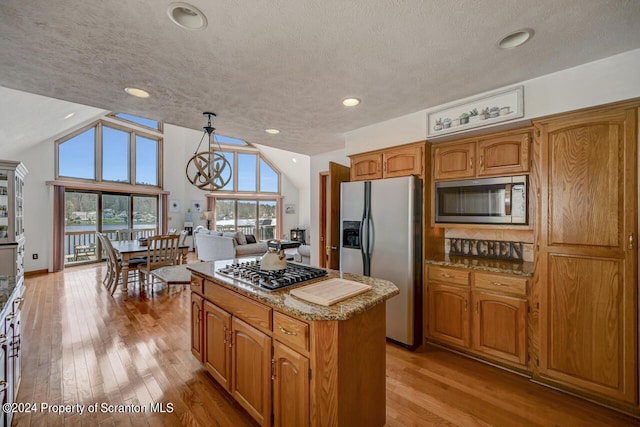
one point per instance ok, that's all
(35, 256)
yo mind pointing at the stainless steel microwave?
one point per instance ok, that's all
(501, 200)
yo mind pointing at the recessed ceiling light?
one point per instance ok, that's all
(294, 160)
(68, 116)
(187, 16)
(350, 102)
(515, 39)
(137, 92)
(272, 131)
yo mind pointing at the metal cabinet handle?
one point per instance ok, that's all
(286, 332)
(630, 240)
(498, 284)
(448, 276)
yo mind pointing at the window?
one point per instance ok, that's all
(247, 172)
(250, 173)
(152, 124)
(109, 152)
(76, 156)
(256, 217)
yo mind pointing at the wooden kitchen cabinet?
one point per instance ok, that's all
(404, 160)
(366, 166)
(290, 381)
(500, 326)
(449, 316)
(454, 161)
(197, 328)
(504, 155)
(483, 313)
(251, 370)
(217, 350)
(500, 154)
(588, 253)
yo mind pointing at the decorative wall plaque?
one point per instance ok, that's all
(494, 249)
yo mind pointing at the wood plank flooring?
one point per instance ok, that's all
(82, 346)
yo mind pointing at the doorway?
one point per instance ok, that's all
(329, 203)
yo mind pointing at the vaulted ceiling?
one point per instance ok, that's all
(287, 64)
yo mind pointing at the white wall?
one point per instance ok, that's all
(320, 163)
(608, 80)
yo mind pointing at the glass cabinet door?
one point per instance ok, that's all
(4, 205)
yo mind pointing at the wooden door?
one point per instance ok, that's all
(337, 175)
(500, 326)
(217, 350)
(366, 166)
(504, 155)
(290, 387)
(403, 161)
(449, 314)
(454, 161)
(251, 377)
(588, 255)
(197, 328)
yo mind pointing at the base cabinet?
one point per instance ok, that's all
(500, 324)
(290, 381)
(196, 327)
(481, 313)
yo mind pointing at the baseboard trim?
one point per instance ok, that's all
(35, 273)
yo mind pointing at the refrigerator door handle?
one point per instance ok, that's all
(370, 236)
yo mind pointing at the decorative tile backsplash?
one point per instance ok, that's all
(495, 249)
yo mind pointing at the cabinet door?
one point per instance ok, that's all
(500, 326)
(217, 345)
(588, 253)
(449, 315)
(197, 327)
(454, 161)
(402, 162)
(290, 387)
(366, 166)
(251, 378)
(505, 155)
(5, 380)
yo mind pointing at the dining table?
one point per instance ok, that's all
(133, 248)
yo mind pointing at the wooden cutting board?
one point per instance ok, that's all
(330, 291)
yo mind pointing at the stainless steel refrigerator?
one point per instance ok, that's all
(381, 236)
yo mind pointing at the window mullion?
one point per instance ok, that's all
(98, 152)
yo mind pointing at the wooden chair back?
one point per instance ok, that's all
(162, 251)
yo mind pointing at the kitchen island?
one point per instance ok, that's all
(288, 361)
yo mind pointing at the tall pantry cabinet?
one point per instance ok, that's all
(588, 240)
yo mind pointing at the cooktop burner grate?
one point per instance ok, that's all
(249, 272)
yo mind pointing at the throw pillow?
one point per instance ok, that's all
(250, 238)
(240, 238)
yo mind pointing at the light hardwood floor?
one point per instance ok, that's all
(82, 346)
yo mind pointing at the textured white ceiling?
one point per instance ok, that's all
(288, 63)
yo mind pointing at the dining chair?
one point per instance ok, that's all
(161, 252)
(124, 234)
(114, 265)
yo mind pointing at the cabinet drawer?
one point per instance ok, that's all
(448, 275)
(500, 283)
(290, 331)
(197, 284)
(254, 313)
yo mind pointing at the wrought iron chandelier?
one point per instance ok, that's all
(209, 170)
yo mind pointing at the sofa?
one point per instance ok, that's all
(214, 245)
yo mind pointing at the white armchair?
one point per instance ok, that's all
(304, 254)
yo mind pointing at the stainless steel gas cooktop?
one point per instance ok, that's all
(249, 272)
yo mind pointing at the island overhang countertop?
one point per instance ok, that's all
(282, 300)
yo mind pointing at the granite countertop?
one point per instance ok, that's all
(7, 286)
(283, 301)
(485, 264)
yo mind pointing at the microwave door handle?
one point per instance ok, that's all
(507, 199)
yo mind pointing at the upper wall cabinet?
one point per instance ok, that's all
(393, 162)
(505, 153)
